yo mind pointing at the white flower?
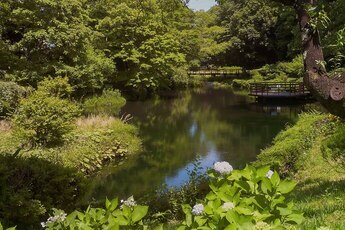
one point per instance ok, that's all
(198, 209)
(130, 202)
(323, 228)
(223, 167)
(269, 174)
(262, 226)
(59, 218)
(228, 206)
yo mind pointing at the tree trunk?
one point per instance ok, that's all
(330, 92)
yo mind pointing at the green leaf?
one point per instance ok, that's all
(122, 220)
(266, 185)
(244, 185)
(295, 218)
(139, 212)
(275, 179)
(211, 196)
(284, 211)
(286, 186)
(261, 172)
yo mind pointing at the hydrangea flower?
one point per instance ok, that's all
(58, 218)
(223, 167)
(228, 206)
(130, 202)
(198, 209)
(269, 174)
(262, 226)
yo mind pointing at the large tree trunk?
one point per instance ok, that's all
(329, 91)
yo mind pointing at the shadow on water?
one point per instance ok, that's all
(215, 124)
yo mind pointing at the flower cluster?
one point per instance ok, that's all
(223, 167)
(58, 218)
(269, 174)
(228, 206)
(130, 202)
(198, 209)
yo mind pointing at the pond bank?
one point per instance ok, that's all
(296, 152)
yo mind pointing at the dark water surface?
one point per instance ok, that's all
(215, 124)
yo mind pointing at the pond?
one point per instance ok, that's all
(207, 125)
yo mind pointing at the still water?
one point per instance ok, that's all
(209, 124)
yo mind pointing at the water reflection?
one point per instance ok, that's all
(214, 124)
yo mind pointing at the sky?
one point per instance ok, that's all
(201, 4)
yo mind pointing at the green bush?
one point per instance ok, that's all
(56, 87)
(31, 186)
(109, 103)
(244, 199)
(281, 71)
(127, 216)
(10, 94)
(44, 120)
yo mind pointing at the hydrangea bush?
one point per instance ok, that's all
(127, 216)
(243, 199)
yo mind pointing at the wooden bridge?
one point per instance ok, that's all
(232, 73)
(272, 90)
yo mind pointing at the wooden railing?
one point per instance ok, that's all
(214, 72)
(278, 89)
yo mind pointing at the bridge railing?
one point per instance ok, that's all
(216, 72)
(277, 89)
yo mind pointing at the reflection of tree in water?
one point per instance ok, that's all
(175, 131)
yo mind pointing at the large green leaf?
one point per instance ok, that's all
(286, 186)
(139, 212)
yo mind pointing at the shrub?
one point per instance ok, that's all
(31, 186)
(127, 216)
(109, 103)
(10, 94)
(43, 120)
(243, 199)
(56, 87)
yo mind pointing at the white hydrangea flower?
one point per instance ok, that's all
(323, 228)
(262, 226)
(228, 206)
(59, 218)
(198, 209)
(223, 167)
(269, 174)
(130, 202)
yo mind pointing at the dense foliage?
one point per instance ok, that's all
(42, 119)
(31, 187)
(244, 199)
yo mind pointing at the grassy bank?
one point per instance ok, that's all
(96, 141)
(296, 152)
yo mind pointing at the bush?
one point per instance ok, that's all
(109, 103)
(127, 216)
(56, 87)
(10, 94)
(43, 120)
(31, 186)
(244, 199)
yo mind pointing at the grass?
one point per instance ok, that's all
(95, 142)
(320, 192)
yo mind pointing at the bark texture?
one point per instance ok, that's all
(330, 91)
